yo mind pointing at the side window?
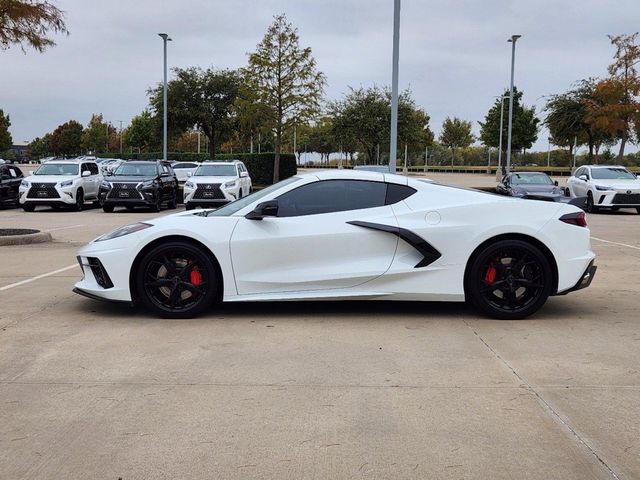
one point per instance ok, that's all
(396, 193)
(93, 168)
(331, 196)
(578, 172)
(4, 173)
(15, 172)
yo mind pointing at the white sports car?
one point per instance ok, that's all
(347, 235)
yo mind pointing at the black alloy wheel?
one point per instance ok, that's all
(157, 206)
(177, 280)
(509, 280)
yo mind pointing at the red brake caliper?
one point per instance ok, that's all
(195, 277)
(490, 276)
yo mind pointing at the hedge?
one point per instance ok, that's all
(260, 165)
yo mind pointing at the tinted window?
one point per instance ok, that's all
(331, 196)
(93, 168)
(396, 193)
(137, 170)
(4, 172)
(184, 165)
(16, 171)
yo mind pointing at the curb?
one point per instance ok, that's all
(40, 237)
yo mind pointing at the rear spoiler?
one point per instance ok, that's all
(576, 202)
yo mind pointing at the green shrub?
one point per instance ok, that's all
(260, 165)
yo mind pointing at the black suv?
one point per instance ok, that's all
(10, 178)
(140, 184)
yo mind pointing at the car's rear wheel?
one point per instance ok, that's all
(509, 280)
(591, 208)
(107, 208)
(177, 280)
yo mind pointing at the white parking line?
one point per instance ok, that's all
(616, 243)
(38, 277)
(64, 228)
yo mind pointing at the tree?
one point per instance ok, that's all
(95, 137)
(524, 128)
(27, 23)
(286, 82)
(616, 104)
(201, 98)
(364, 117)
(141, 133)
(40, 147)
(66, 139)
(322, 138)
(5, 136)
(456, 133)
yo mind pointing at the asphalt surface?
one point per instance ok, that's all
(314, 390)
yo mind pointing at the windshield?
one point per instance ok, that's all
(612, 174)
(531, 179)
(372, 168)
(137, 170)
(215, 171)
(57, 169)
(239, 204)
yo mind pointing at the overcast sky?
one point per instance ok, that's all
(453, 54)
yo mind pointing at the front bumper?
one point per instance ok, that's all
(229, 195)
(55, 195)
(585, 279)
(619, 199)
(141, 197)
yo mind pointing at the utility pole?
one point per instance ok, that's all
(120, 135)
(165, 39)
(251, 148)
(405, 159)
(198, 140)
(575, 150)
(548, 151)
(426, 157)
(393, 147)
(513, 40)
(502, 97)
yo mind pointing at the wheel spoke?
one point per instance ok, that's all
(192, 288)
(174, 296)
(169, 265)
(492, 287)
(160, 282)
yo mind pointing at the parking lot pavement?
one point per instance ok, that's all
(314, 390)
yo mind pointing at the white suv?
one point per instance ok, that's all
(216, 183)
(59, 183)
(605, 186)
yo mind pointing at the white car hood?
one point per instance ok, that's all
(50, 178)
(217, 179)
(618, 184)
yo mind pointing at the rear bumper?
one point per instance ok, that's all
(585, 279)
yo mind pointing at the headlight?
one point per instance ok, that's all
(602, 189)
(148, 184)
(189, 185)
(122, 231)
(25, 184)
(105, 184)
(230, 184)
(66, 183)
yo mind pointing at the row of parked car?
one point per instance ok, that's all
(75, 182)
(593, 187)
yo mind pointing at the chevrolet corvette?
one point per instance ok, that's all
(347, 235)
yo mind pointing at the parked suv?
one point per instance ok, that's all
(605, 186)
(10, 178)
(140, 184)
(60, 183)
(216, 183)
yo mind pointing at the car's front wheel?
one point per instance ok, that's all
(28, 207)
(591, 207)
(107, 208)
(509, 280)
(79, 200)
(177, 280)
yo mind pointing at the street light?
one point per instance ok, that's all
(165, 39)
(513, 40)
(501, 97)
(549, 151)
(393, 145)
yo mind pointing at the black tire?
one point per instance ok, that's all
(55, 207)
(591, 208)
(156, 207)
(28, 207)
(189, 206)
(79, 200)
(107, 208)
(508, 280)
(129, 208)
(638, 210)
(173, 204)
(177, 280)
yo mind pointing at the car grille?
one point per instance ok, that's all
(43, 190)
(208, 191)
(124, 191)
(627, 198)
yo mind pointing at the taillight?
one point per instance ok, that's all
(579, 219)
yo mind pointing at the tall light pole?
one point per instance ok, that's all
(393, 145)
(120, 135)
(165, 39)
(502, 97)
(548, 151)
(513, 40)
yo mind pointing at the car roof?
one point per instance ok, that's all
(605, 166)
(71, 161)
(344, 174)
(218, 162)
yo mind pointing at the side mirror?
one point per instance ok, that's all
(556, 183)
(584, 178)
(244, 174)
(86, 173)
(264, 209)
